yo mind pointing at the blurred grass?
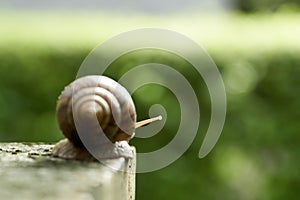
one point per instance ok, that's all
(258, 56)
(237, 31)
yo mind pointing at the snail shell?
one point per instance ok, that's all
(98, 113)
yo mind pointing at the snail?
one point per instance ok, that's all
(96, 114)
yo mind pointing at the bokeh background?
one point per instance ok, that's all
(255, 44)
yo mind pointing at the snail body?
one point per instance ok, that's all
(96, 115)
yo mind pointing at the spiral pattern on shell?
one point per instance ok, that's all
(91, 101)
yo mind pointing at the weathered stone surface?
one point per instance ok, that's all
(28, 171)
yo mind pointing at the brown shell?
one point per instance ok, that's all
(94, 106)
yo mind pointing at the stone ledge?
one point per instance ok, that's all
(28, 171)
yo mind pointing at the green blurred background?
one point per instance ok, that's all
(256, 46)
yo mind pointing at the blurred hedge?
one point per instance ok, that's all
(257, 155)
(266, 5)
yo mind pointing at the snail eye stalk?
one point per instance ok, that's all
(148, 121)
